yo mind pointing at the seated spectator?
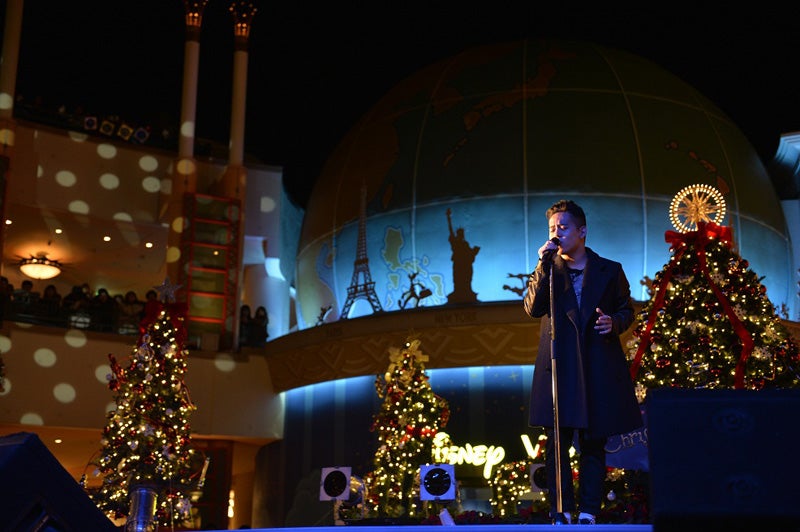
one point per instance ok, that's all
(25, 298)
(87, 291)
(50, 304)
(129, 315)
(76, 307)
(245, 325)
(75, 300)
(26, 291)
(150, 295)
(5, 297)
(259, 334)
(103, 311)
(152, 306)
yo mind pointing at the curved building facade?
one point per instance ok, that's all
(437, 195)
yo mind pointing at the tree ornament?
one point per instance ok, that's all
(694, 204)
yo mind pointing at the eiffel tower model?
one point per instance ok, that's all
(361, 285)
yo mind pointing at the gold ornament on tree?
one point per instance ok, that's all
(696, 203)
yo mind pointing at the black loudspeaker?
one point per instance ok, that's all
(37, 493)
(724, 459)
(334, 483)
(437, 482)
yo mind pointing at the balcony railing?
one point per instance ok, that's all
(105, 320)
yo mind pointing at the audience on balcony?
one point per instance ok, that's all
(101, 311)
(79, 308)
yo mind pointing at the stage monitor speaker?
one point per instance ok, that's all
(538, 477)
(334, 483)
(723, 459)
(437, 482)
(39, 494)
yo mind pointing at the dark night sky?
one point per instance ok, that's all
(315, 68)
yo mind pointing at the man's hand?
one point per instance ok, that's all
(603, 324)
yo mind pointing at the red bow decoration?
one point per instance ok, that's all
(705, 233)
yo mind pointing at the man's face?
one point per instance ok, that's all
(570, 236)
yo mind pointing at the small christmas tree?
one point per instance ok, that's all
(147, 440)
(409, 418)
(709, 323)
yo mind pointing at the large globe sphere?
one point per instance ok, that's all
(437, 195)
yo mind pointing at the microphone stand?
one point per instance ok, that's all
(554, 376)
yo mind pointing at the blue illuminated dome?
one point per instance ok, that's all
(494, 136)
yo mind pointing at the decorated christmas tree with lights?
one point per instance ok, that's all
(146, 444)
(409, 418)
(512, 481)
(709, 323)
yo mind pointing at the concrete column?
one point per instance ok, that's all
(8, 73)
(238, 103)
(234, 179)
(8, 82)
(184, 175)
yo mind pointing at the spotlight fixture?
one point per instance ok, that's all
(141, 135)
(125, 131)
(107, 127)
(40, 267)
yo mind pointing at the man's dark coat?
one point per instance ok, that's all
(595, 390)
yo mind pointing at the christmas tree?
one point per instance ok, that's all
(512, 481)
(147, 439)
(709, 323)
(409, 418)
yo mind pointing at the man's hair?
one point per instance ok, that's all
(570, 207)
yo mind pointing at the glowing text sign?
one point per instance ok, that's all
(486, 455)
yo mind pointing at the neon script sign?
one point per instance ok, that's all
(486, 455)
(490, 456)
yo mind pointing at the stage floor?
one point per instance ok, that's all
(467, 528)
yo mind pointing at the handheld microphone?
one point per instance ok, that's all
(547, 255)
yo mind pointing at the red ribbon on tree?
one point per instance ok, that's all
(705, 233)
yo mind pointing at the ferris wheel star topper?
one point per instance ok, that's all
(167, 290)
(696, 203)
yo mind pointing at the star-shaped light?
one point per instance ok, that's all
(167, 290)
